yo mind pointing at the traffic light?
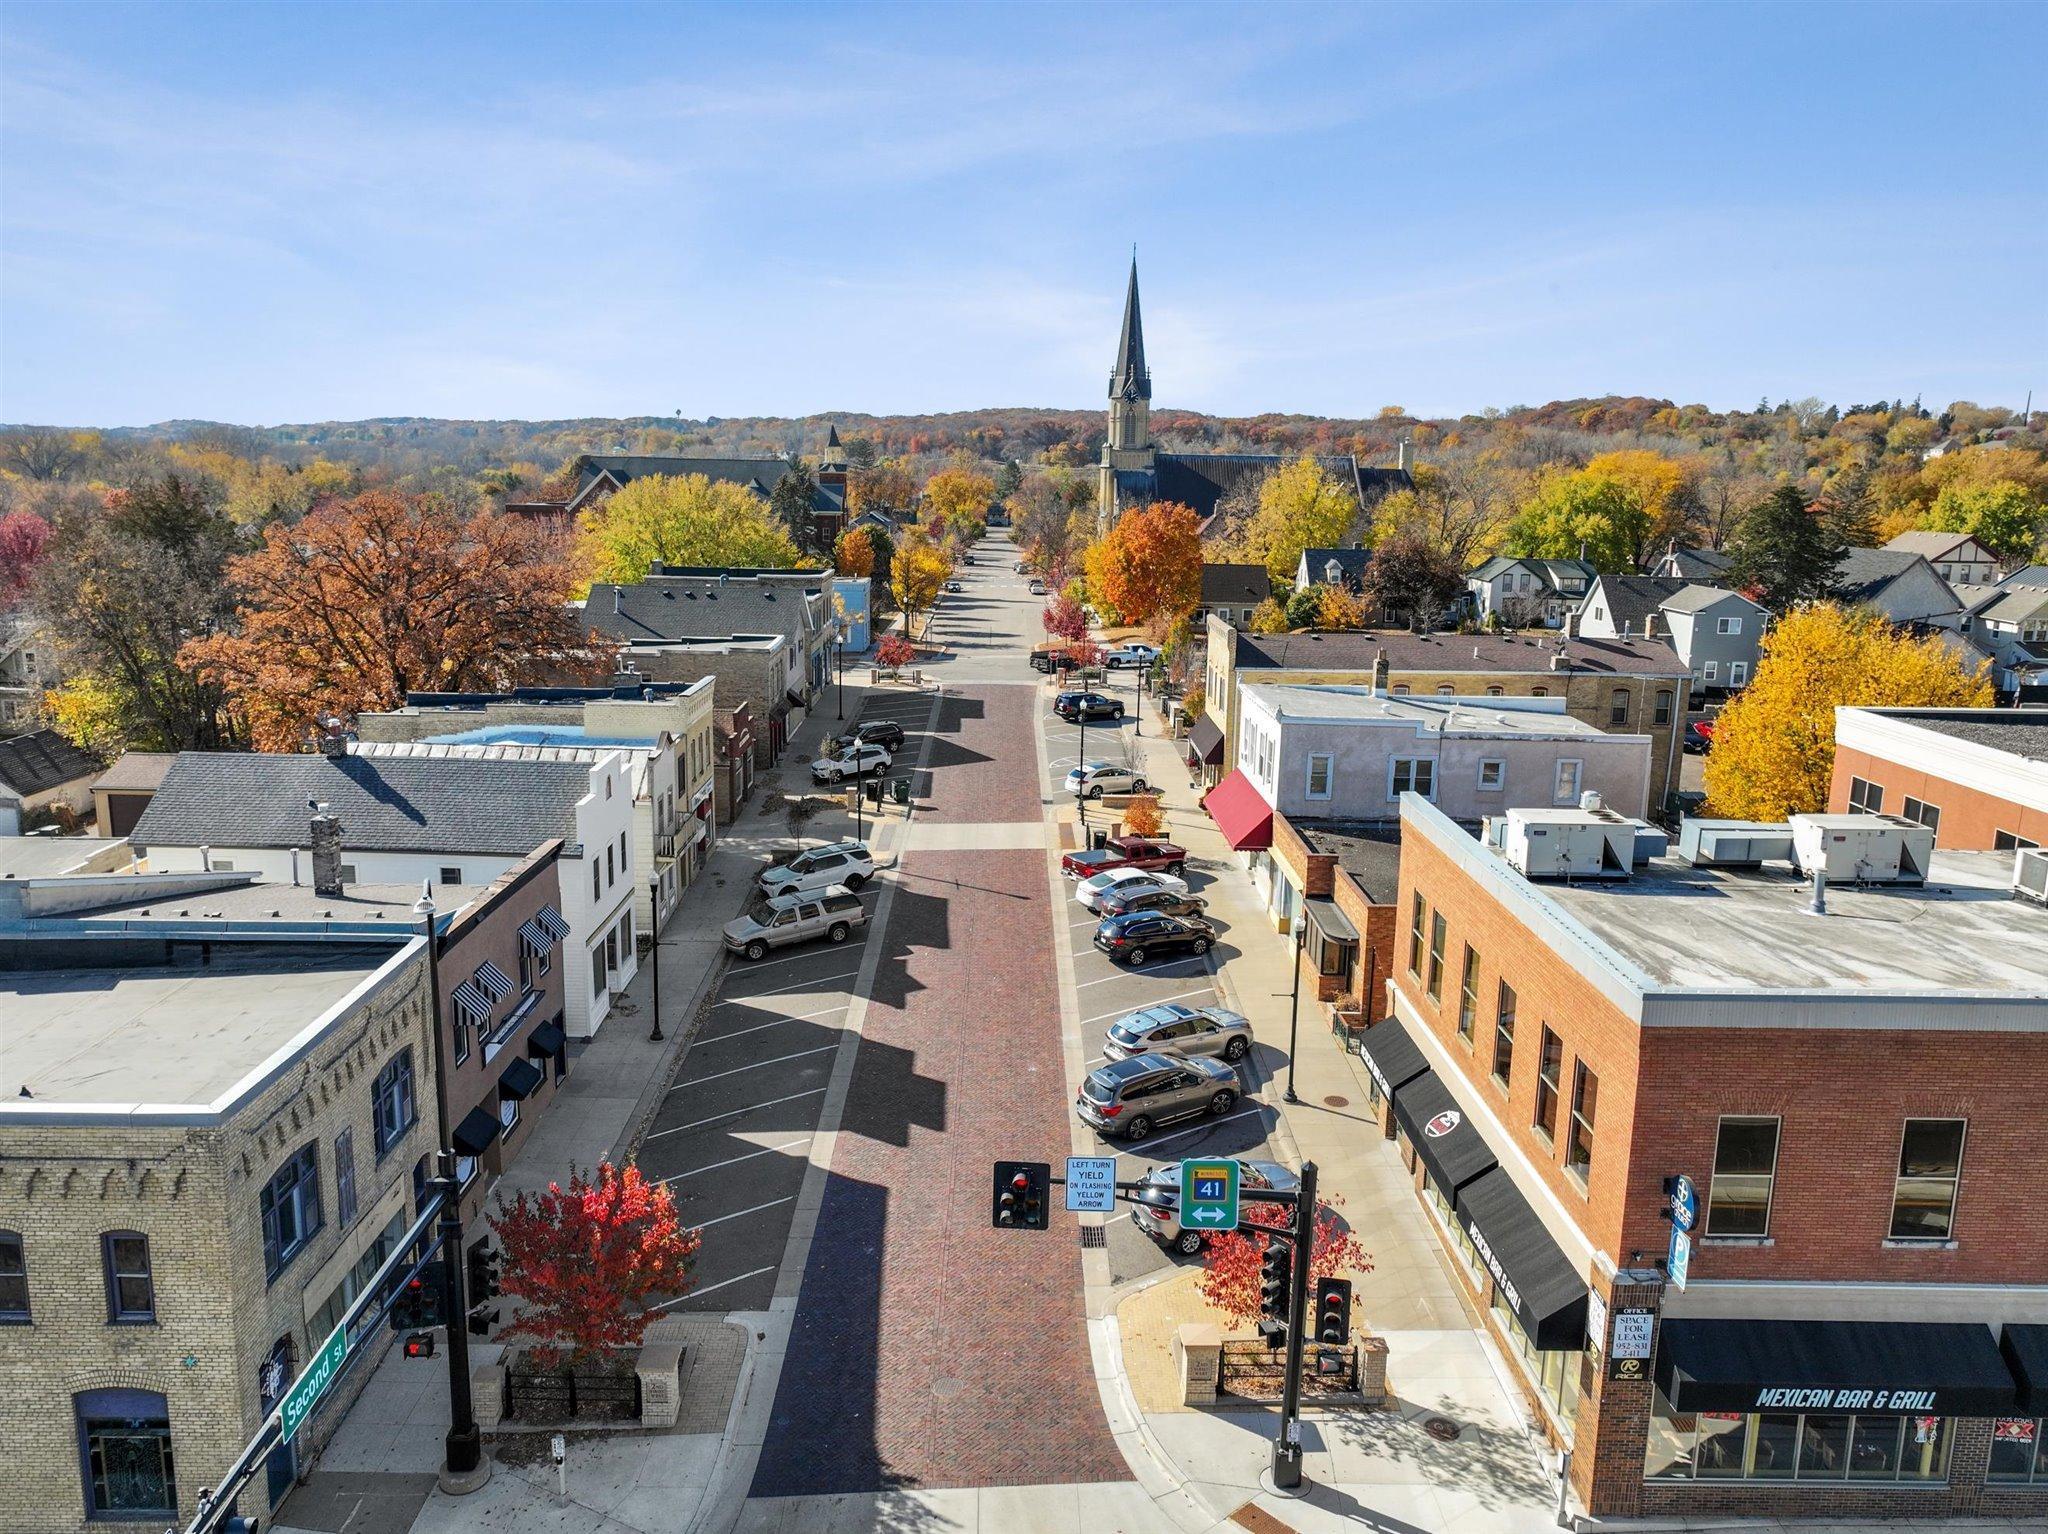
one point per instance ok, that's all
(419, 1344)
(485, 1263)
(1276, 1280)
(1333, 1310)
(1021, 1189)
(418, 1304)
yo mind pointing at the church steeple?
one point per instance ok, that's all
(1131, 380)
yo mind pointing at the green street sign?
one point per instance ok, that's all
(1208, 1195)
(311, 1385)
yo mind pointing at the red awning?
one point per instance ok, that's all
(1241, 814)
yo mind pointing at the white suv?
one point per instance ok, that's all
(819, 868)
(855, 762)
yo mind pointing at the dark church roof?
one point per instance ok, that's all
(760, 475)
(1131, 379)
(1200, 480)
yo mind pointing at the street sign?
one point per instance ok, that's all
(1208, 1195)
(1679, 1258)
(1685, 1202)
(299, 1401)
(1634, 1329)
(1091, 1184)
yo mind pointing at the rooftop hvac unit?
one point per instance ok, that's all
(1568, 844)
(1651, 841)
(1863, 849)
(1733, 843)
(2030, 875)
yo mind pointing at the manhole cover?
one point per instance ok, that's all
(1094, 1235)
(1336, 1102)
(1442, 1429)
(946, 1389)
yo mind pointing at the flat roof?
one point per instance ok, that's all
(541, 735)
(1721, 928)
(1343, 704)
(173, 1036)
(38, 857)
(2020, 731)
(388, 904)
(1370, 851)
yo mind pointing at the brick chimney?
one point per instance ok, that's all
(1380, 672)
(326, 846)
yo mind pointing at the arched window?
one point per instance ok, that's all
(124, 1454)
(13, 1279)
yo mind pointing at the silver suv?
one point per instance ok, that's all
(1128, 1099)
(1155, 1206)
(1172, 1029)
(832, 914)
(819, 868)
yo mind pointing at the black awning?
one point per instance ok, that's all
(1331, 922)
(2026, 1354)
(1205, 739)
(1448, 1142)
(519, 1079)
(545, 1042)
(1535, 1277)
(1391, 1055)
(1939, 1368)
(478, 1129)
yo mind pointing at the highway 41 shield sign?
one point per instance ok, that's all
(1208, 1195)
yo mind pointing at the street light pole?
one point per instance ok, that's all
(842, 678)
(655, 1035)
(1294, 1003)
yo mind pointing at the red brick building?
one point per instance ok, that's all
(1857, 1328)
(1978, 776)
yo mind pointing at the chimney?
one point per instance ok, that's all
(1380, 672)
(326, 846)
(1401, 457)
(615, 601)
(1649, 625)
(330, 735)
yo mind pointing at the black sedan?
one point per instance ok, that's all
(1138, 895)
(886, 733)
(1071, 706)
(1137, 936)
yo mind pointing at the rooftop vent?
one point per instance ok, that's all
(1863, 849)
(1733, 843)
(2030, 875)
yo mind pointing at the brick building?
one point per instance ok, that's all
(1854, 1092)
(758, 670)
(1977, 776)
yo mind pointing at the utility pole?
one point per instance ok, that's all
(1287, 1447)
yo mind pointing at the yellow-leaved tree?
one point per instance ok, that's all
(1269, 617)
(917, 573)
(1337, 608)
(958, 497)
(685, 519)
(1774, 746)
(1302, 505)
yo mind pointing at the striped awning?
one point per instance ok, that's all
(551, 922)
(493, 982)
(534, 938)
(469, 999)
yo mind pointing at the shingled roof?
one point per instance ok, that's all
(1320, 651)
(760, 475)
(42, 760)
(1630, 599)
(694, 608)
(400, 804)
(1235, 585)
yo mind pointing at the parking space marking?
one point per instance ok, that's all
(723, 1283)
(795, 1017)
(815, 980)
(1181, 996)
(766, 1150)
(1145, 1147)
(1135, 969)
(756, 1065)
(738, 1213)
(732, 1113)
(754, 965)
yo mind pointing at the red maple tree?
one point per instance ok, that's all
(1230, 1266)
(585, 1259)
(1064, 619)
(895, 650)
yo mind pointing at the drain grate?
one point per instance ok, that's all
(1442, 1429)
(1094, 1235)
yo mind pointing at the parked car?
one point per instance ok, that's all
(775, 922)
(1138, 936)
(1699, 735)
(1091, 890)
(1143, 895)
(1045, 658)
(1071, 706)
(1037, 587)
(1127, 852)
(1094, 779)
(1155, 1206)
(886, 733)
(817, 868)
(1129, 1099)
(1139, 655)
(853, 762)
(1172, 1029)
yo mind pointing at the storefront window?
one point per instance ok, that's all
(1784, 1446)
(2019, 1450)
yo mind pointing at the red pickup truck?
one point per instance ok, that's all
(1127, 852)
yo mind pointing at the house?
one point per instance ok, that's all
(1232, 592)
(599, 476)
(411, 820)
(1716, 633)
(1852, 1287)
(1896, 584)
(1332, 567)
(1976, 777)
(666, 731)
(43, 779)
(1629, 685)
(1527, 593)
(1707, 566)
(1134, 471)
(2008, 624)
(123, 791)
(1957, 558)
(27, 670)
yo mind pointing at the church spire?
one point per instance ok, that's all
(1132, 379)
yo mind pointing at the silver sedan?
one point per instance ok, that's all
(1173, 1029)
(1155, 1206)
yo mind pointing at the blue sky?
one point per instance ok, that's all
(297, 212)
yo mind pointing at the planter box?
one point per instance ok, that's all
(608, 1392)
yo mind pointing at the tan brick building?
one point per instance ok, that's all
(1977, 776)
(1855, 1094)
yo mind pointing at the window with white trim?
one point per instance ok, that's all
(1411, 774)
(1569, 774)
(1710, 671)
(1928, 815)
(1738, 672)
(1728, 625)
(1319, 775)
(1493, 774)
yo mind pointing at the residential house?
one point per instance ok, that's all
(2009, 624)
(43, 779)
(1957, 558)
(1333, 567)
(437, 820)
(123, 791)
(1232, 592)
(1715, 632)
(1976, 777)
(1527, 593)
(599, 476)
(27, 670)
(1896, 584)
(1707, 566)
(1628, 685)
(1848, 1320)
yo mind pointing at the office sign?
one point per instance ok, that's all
(1208, 1195)
(1635, 1331)
(1091, 1184)
(311, 1385)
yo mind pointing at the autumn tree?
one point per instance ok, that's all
(793, 504)
(1064, 619)
(1783, 553)
(1774, 745)
(584, 1261)
(1230, 1278)
(1848, 510)
(1149, 565)
(684, 519)
(1459, 506)
(1302, 505)
(887, 487)
(854, 552)
(894, 651)
(1605, 517)
(24, 539)
(1411, 580)
(1142, 816)
(918, 573)
(1337, 608)
(958, 497)
(366, 600)
(2000, 514)
(1269, 617)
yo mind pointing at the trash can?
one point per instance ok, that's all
(1098, 838)
(899, 790)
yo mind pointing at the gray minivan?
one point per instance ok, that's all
(776, 921)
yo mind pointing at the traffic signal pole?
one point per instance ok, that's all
(465, 1469)
(1287, 1447)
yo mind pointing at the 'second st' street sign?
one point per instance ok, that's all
(310, 1386)
(1208, 1195)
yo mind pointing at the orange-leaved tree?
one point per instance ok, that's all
(854, 553)
(585, 1259)
(364, 600)
(1230, 1267)
(1337, 608)
(1149, 565)
(1774, 746)
(1142, 817)
(958, 498)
